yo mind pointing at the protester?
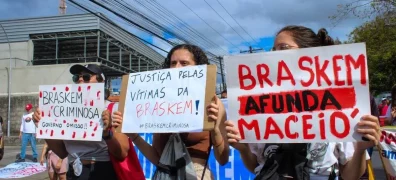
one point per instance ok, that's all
(325, 160)
(56, 166)
(88, 159)
(27, 134)
(383, 107)
(198, 144)
(390, 115)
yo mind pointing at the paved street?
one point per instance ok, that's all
(11, 153)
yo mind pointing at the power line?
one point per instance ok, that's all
(236, 22)
(226, 22)
(170, 14)
(208, 24)
(104, 19)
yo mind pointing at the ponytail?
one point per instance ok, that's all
(324, 38)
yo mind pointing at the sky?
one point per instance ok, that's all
(259, 20)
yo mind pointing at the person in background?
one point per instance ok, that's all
(90, 160)
(325, 161)
(390, 115)
(224, 94)
(56, 166)
(383, 107)
(1, 138)
(27, 134)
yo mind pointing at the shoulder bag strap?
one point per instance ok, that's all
(207, 159)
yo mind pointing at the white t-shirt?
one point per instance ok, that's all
(89, 150)
(321, 157)
(27, 124)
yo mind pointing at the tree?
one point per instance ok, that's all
(365, 9)
(380, 39)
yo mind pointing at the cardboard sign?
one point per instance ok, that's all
(302, 95)
(71, 111)
(168, 100)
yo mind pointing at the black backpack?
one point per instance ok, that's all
(286, 159)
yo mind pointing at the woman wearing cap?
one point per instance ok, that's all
(27, 134)
(90, 159)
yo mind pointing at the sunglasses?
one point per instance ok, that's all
(85, 77)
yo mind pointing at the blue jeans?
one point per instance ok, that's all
(26, 137)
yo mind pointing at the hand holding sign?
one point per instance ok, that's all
(370, 129)
(215, 112)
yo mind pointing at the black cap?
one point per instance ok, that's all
(92, 68)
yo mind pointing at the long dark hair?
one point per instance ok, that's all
(306, 37)
(199, 55)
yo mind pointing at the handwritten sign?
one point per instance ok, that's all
(169, 100)
(387, 147)
(303, 95)
(71, 111)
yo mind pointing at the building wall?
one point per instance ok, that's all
(22, 54)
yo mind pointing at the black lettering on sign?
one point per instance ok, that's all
(151, 77)
(182, 91)
(191, 74)
(62, 97)
(78, 112)
(148, 94)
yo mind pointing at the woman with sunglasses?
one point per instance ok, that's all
(198, 144)
(325, 160)
(90, 159)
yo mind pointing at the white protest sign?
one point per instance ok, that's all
(168, 100)
(71, 111)
(388, 152)
(301, 95)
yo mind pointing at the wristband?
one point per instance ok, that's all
(109, 136)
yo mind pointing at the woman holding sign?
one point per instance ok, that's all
(317, 161)
(91, 159)
(198, 144)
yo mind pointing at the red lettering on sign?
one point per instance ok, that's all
(272, 128)
(287, 127)
(242, 124)
(263, 77)
(347, 127)
(307, 127)
(163, 108)
(359, 63)
(282, 67)
(243, 77)
(336, 70)
(309, 70)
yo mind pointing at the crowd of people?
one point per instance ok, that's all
(82, 160)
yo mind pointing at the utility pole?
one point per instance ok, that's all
(251, 50)
(222, 73)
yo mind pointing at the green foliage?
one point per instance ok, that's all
(380, 39)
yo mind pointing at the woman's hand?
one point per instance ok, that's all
(216, 112)
(117, 119)
(369, 128)
(37, 115)
(233, 135)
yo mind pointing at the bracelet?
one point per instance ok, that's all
(222, 141)
(135, 137)
(109, 136)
